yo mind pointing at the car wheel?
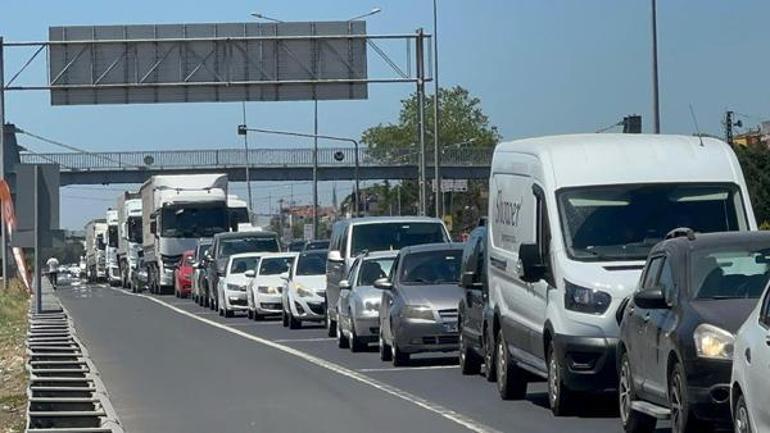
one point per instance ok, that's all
(490, 365)
(385, 354)
(470, 363)
(228, 313)
(511, 382)
(250, 314)
(284, 319)
(559, 396)
(742, 421)
(342, 341)
(258, 317)
(293, 322)
(400, 359)
(331, 326)
(356, 344)
(682, 418)
(633, 421)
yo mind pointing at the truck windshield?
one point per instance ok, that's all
(135, 229)
(395, 235)
(100, 242)
(193, 222)
(112, 236)
(737, 271)
(622, 222)
(228, 247)
(238, 215)
(431, 267)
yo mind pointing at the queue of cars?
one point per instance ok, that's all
(608, 263)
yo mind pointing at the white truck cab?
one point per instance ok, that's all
(571, 220)
(111, 264)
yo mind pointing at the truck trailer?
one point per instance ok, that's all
(129, 235)
(96, 232)
(177, 210)
(111, 255)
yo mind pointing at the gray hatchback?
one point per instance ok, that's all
(418, 312)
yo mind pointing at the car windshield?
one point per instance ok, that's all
(193, 222)
(112, 236)
(135, 229)
(201, 251)
(243, 264)
(374, 269)
(275, 265)
(317, 245)
(395, 235)
(735, 272)
(590, 216)
(228, 247)
(431, 267)
(311, 264)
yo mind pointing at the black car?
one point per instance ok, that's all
(474, 312)
(677, 332)
(200, 288)
(316, 245)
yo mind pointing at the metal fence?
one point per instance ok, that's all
(290, 158)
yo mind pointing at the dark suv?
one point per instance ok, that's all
(677, 332)
(474, 312)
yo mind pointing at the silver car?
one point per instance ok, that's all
(359, 302)
(418, 310)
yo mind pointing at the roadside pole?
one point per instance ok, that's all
(3, 235)
(36, 237)
(420, 65)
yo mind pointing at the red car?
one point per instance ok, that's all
(183, 275)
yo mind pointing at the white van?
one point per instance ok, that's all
(571, 220)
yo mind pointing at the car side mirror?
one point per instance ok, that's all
(250, 273)
(285, 276)
(468, 280)
(653, 299)
(334, 256)
(345, 285)
(153, 227)
(195, 265)
(383, 284)
(532, 266)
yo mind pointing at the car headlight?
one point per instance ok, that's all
(269, 290)
(713, 342)
(420, 312)
(304, 292)
(585, 300)
(236, 287)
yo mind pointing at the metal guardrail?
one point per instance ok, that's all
(302, 157)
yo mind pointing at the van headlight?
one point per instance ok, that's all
(713, 342)
(585, 300)
(421, 312)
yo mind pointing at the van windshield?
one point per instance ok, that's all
(394, 236)
(622, 222)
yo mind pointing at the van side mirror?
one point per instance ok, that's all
(652, 299)
(345, 285)
(532, 266)
(383, 284)
(250, 273)
(334, 256)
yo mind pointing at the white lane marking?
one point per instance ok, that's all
(427, 367)
(442, 411)
(303, 340)
(257, 324)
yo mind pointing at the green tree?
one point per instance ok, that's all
(755, 162)
(462, 124)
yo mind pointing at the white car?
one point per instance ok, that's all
(232, 287)
(751, 371)
(304, 298)
(266, 286)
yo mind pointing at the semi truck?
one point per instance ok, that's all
(238, 212)
(111, 251)
(177, 210)
(96, 232)
(129, 235)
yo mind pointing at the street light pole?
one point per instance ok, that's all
(248, 165)
(420, 65)
(242, 130)
(315, 169)
(436, 159)
(655, 94)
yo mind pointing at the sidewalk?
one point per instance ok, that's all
(50, 301)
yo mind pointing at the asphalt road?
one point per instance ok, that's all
(171, 365)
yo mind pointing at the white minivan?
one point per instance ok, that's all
(571, 220)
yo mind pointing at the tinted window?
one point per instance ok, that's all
(394, 236)
(311, 264)
(193, 222)
(738, 272)
(135, 229)
(590, 216)
(666, 281)
(653, 269)
(275, 265)
(112, 236)
(242, 265)
(764, 316)
(374, 269)
(317, 245)
(432, 267)
(228, 247)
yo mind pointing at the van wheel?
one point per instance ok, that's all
(559, 396)
(511, 380)
(385, 354)
(633, 422)
(470, 362)
(490, 364)
(228, 313)
(331, 326)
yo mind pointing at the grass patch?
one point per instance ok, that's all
(14, 305)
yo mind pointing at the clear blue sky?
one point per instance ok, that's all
(539, 67)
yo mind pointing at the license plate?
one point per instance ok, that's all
(450, 327)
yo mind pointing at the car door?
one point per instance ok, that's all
(757, 373)
(636, 322)
(474, 301)
(386, 302)
(538, 291)
(345, 295)
(657, 330)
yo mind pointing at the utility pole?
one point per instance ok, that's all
(436, 160)
(729, 127)
(248, 163)
(315, 169)
(655, 91)
(420, 65)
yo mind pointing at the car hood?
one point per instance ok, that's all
(269, 281)
(315, 282)
(368, 293)
(238, 279)
(728, 314)
(439, 296)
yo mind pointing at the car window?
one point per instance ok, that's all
(729, 273)
(431, 267)
(275, 265)
(764, 316)
(241, 265)
(374, 269)
(352, 273)
(651, 275)
(666, 281)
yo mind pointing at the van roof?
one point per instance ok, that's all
(600, 159)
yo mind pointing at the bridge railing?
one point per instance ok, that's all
(301, 157)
